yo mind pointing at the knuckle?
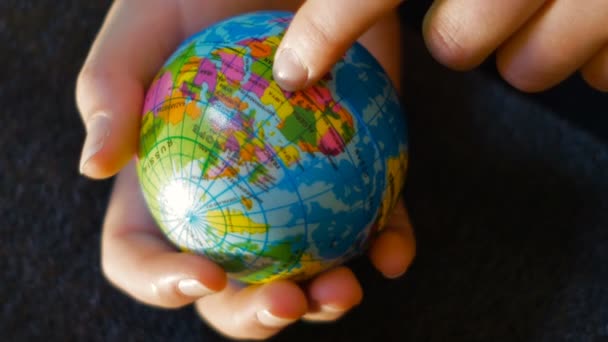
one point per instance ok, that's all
(446, 39)
(164, 296)
(161, 294)
(320, 31)
(91, 77)
(522, 80)
(232, 327)
(529, 69)
(596, 80)
(155, 292)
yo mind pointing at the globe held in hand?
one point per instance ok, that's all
(268, 183)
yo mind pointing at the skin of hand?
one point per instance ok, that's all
(538, 43)
(133, 43)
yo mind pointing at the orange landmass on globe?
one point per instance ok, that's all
(247, 202)
(174, 110)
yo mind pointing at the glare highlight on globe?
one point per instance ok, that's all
(267, 183)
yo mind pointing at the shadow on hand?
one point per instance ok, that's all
(506, 202)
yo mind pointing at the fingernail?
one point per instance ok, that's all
(395, 275)
(98, 130)
(328, 308)
(193, 288)
(268, 319)
(289, 71)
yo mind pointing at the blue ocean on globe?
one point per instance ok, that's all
(267, 183)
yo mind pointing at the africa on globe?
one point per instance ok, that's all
(267, 183)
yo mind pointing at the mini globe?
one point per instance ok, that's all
(267, 183)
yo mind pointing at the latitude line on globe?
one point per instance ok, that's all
(153, 110)
(317, 160)
(236, 111)
(374, 115)
(244, 93)
(254, 136)
(171, 99)
(267, 179)
(233, 113)
(230, 187)
(186, 56)
(256, 212)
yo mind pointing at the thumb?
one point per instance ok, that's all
(129, 49)
(109, 104)
(320, 34)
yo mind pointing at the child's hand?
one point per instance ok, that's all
(133, 43)
(539, 42)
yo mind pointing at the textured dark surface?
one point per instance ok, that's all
(508, 194)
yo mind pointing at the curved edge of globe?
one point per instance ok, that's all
(251, 18)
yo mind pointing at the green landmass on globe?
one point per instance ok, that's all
(267, 183)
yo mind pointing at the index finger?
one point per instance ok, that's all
(318, 36)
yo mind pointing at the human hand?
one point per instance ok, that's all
(538, 43)
(133, 43)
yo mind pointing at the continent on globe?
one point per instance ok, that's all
(267, 183)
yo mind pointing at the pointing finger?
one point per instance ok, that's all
(320, 34)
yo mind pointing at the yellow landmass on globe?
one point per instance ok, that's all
(147, 123)
(261, 134)
(325, 122)
(273, 96)
(306, 267)
(289, 154)
(396, 167)
(177, 104)
(248, 146)
(188, 71)
(273, 40)
(232, 50)
(235, 222)
(310, 266)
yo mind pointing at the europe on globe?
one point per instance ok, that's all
(267, 183)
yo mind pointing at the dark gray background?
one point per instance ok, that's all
(507, 191)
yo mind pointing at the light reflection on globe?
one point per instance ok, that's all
(269, 184)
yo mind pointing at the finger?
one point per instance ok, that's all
(394, 250)
(332, 294)
(557, 41)
(462, 33)
(595, 72)
(138, 260)
(254, 312)
(383, 41)
(130, 47)
(320, 34)
(135, 39)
